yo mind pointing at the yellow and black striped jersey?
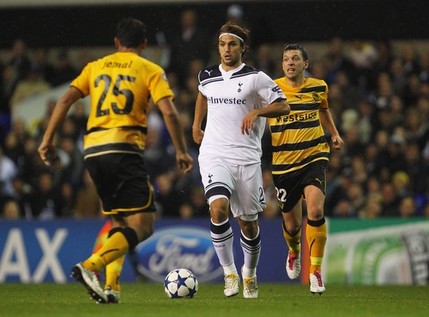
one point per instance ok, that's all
(120, 86)
(298, 138)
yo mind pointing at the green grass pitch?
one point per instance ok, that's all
(149, 299)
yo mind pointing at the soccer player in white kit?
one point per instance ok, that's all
(236, 98)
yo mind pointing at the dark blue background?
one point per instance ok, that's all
(270, 21)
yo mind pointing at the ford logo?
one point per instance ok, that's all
(174, 247)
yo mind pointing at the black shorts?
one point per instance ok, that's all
(122, 183)
(290, 186)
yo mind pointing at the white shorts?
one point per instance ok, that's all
(243, 182)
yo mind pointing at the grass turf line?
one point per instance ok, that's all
(149, 299)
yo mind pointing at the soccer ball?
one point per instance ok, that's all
(180, 283)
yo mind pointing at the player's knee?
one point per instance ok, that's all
(250, 229)
(218, 216)
(145, 232)
(291, 223)
(251, 233)
(148, 232)
(292, 228)
(315, 213)
(219, 211)
(318, 218)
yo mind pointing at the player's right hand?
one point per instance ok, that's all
(184, 162)
(197, 135)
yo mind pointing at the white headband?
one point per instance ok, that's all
(232, 34)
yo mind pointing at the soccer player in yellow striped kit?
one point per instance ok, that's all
(300, 153)
(120, 86)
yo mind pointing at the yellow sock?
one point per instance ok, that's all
(316, 234)
(114, 247)
(113, 272)
(293, 241)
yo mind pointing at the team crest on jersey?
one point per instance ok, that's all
(210, 178)
(239, 86)
(316, 96)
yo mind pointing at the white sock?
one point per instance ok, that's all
(252, 252)
(222, 239)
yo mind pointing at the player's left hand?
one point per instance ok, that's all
(337, 142)
(247, 124)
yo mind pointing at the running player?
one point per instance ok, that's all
(300, 158)
(119, 86)
(236, 98)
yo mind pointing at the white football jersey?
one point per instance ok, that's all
(230, 96)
